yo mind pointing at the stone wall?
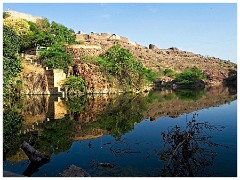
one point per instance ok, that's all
(99, 37)
(28, 17)
(78, 51)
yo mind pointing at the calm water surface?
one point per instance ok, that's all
(163, 133)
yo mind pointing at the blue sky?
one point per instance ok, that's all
(205, 28)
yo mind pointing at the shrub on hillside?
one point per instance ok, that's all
(169, 72)
(190, 76)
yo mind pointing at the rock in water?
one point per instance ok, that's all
(74, 171)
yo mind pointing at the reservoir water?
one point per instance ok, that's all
(160, 133)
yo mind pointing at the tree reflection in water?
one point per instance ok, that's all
(188, 151)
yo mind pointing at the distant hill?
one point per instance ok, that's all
(216, 70)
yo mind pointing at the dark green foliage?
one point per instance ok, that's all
(44, 39)
(75, 85)
(11, 43)
(11, 62)
(190, 76)
(56, 57)
(168, 72)
(12, 124)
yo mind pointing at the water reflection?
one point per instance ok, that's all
(51, 124)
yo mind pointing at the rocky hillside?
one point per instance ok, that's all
(157, 59)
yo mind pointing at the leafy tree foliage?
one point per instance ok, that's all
(43, 25)
(56, 57)
(75, 85)
(62, 33)
(11, 63)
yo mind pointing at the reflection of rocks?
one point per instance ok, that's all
(94, 105)
(175, 106)
(19, 156)
(59, 109)
(82, 134)
(34, 108)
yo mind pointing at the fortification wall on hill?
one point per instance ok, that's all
(78, 51)
(28, 17)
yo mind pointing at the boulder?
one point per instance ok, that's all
(74, 171)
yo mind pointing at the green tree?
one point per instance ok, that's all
(56, 57)
(75, 85)
(62, 33)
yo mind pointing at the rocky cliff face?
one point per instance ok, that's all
(99, 82)
(34, 80)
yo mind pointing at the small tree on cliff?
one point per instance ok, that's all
(190, 77)
(120, 63)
